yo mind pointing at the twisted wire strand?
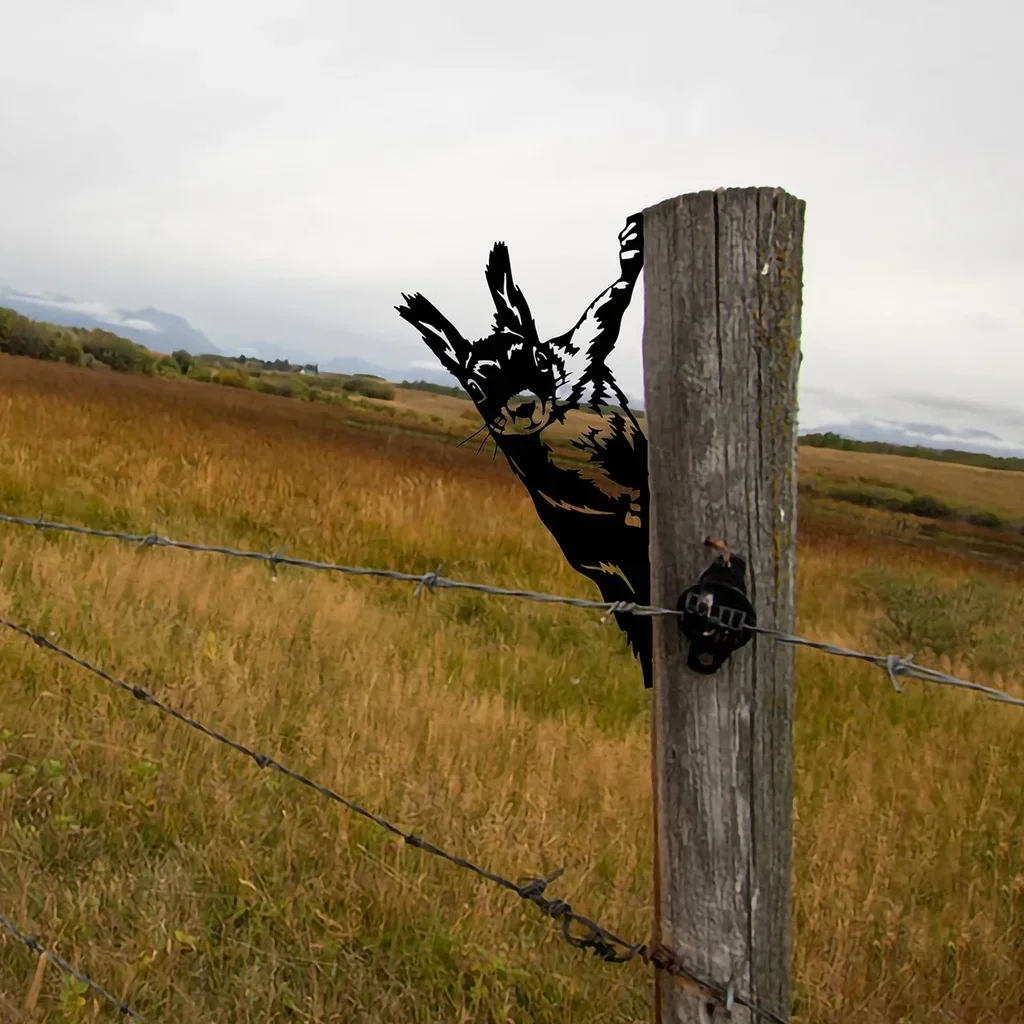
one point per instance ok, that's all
(32, 943)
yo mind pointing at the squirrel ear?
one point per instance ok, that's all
(512, 314)
(438, 332)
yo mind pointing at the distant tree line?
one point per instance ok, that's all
(253, 362)
(981, 459)
(22, 336)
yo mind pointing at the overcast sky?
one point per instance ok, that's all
(284, 170)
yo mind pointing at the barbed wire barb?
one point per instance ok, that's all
(429, 581)
(894, 666)
(275, 559)
(37, 947)
(590, 935)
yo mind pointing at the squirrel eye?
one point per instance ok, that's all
(541, 359)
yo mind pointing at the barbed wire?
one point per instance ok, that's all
(428, 581)
(33, 944)
(894, 665)
(589, 935)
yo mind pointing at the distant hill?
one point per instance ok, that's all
(832, 439)
(177, 331)
(164, 332)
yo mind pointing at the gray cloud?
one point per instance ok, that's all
(94, 310)
(965, 423)
(1006, 414)
(283, 172)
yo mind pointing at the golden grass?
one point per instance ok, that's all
(516, 734)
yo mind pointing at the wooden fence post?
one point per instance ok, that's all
(721, 342)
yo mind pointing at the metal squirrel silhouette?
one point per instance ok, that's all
(522, 385)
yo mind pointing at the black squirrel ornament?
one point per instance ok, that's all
(522, 385)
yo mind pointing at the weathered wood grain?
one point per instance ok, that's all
(722, 293)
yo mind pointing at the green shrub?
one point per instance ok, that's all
(20, 336)
(973, 618)
(330, 383)
(269, 386)
(987, 519)
(922, 505)
(69, 351)
(118, 353)
(183, 360)
(370, 387)
(27, 340)
(870, 497)
(232, 379)
(8, 318)
(167, 367)
(927, 507)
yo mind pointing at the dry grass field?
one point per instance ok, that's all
(960, 485)
(178, 874)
